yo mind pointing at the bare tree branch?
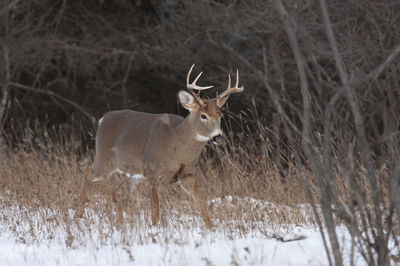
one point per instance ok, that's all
(394, 188)
(7, 74)
(59, 97)
(364, 147)
(325, 191)
(263, 76)
(9, 6)
(379, 237)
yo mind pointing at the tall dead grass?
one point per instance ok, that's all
(250, 187)
(47, 172)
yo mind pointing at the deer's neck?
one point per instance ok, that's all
(189, 144)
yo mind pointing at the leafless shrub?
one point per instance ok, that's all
(367, 206)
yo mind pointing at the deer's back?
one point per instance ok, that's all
(125, 134)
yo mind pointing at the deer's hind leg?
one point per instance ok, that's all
(102, 167)
(104, 164)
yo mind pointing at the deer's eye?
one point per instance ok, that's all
(203, 116)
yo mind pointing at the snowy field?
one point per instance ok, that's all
(45, 240)
(214, 250)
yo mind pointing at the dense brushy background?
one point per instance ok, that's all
(66, 62)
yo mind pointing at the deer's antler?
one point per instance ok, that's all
(192, 86)
(220, 98)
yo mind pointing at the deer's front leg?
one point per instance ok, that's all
(155, 204)
(190, 185)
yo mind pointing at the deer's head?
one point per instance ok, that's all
(205, 114)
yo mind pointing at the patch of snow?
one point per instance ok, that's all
(44, 239)
(216, 251)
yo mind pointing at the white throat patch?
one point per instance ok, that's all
(202, 138)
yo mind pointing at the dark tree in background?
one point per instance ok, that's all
(67, 62)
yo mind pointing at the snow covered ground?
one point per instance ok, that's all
(43, 240)
(242, 251)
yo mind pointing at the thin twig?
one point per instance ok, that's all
(5, 90)
(274, 96)
(394, 188)
(357, 82)
(9, 6)
(125, 97)
(55, 95)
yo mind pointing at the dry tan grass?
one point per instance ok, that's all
(248, 192)
(240, 179)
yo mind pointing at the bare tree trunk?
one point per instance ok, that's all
(7, 72)
(361, 138)
(324, 186)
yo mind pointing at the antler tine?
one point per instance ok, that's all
(237, 79)
(188, 75)
(230, 89)
(193, 85)
(197, 78)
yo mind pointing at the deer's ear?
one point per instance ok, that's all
(188, 101)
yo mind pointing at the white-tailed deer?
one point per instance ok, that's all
(162, 146)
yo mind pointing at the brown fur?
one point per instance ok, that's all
(153, 145)
(161, 146)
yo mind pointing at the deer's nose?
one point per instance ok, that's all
(217, 132)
